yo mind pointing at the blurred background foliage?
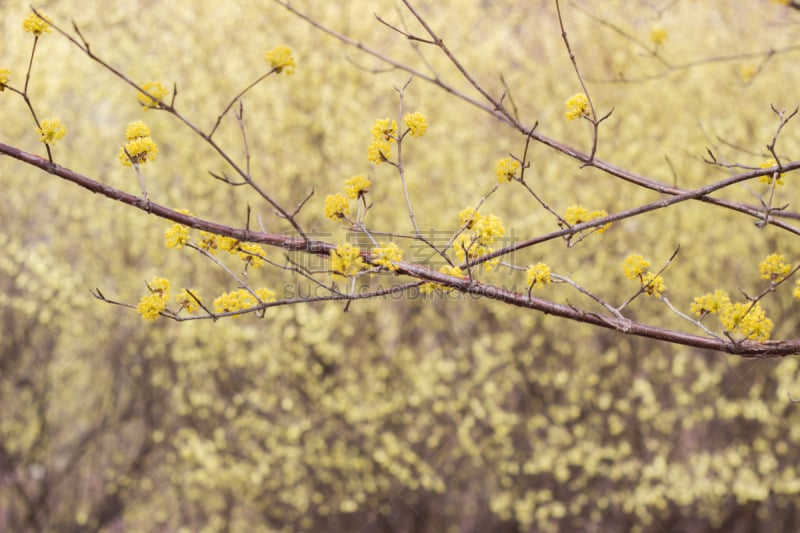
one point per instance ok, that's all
(446, 414)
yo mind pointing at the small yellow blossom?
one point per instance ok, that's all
(710, 303)
(211, 242)
(577, 106)
(140, 147)
(5, 76)
(357, 186)
(417, 123)
(253, 254)
(385, 129)
(154, 88)
(387, 255)
(481, 232)
(653, 285)
(265, 295)
(506, 169)
(139, 151)
(538, 276)
(747, 320)
(796, 291)
(35, 25)
(228, 244)
(158, 285)
(781, 2)
(280, 58)
(242, 299)
(136, 130)
(336, 207)
(152, 305)
(658, 36)
(467, 217)
(635, 266)
(51, 131)
(232, 301)
(577, 214)
(768, 177)
(185, 301)
(774, 268)
(176, 236)
(346, 261)
(379, 151)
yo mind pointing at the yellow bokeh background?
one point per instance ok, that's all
(408, 414)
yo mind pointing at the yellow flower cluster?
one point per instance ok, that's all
(577, 214)
(250, 253)
(537, 276)
(242, 299)
(635, 267)
(506, 169)
(139, 148)
(384, 133)
(658, 36)
(417, 123)
(336, 207)
(280, 58)
(774, 268)
(653, 285)
(176, 236)
(356, 186)
(387, 255)
(35, 25)
(51, 131)
(154, 88)
(5, 76)
(480, 233)
(186, 301)
(769, 163)
(346, 261)
(710, 303)
(577, 106)
(745, 320)
(212, 242)
(152, 305)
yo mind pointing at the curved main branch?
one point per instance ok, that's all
(770, 349)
